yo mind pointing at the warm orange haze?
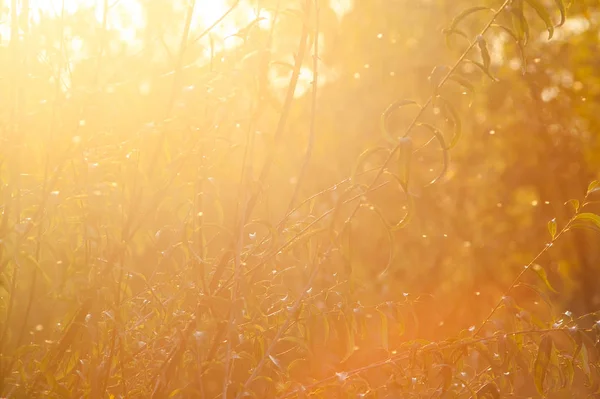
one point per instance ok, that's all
(299, 198)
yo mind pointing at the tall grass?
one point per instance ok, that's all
(178, 241)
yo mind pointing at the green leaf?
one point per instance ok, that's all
(563, 13)
(466, 84)
(295, 340)
(485, 54)
(463, 82)
(385, 129)
(594, 186)
(489, 390)
(552, 228)
(274, 360)
(384, 330)
(363, 157)
(574, 203)
(539, 270)
(464, 14)
(569, 372)
(449, 32)
(585, 362)
(583, 225)
(437, 75)
(542, 361)
(521, 22)
(543, 14)
(508, 31)
(483, 69)
(542, 294)
(455, 119)
(588, 217)
(440, 138)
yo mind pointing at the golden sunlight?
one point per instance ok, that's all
(127, 21)
(128, 17)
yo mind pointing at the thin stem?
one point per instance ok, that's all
(313, 111)
(287, 106)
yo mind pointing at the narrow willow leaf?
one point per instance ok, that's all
(464, 14)
(384, 330)
(574, 203)
(449, 32)
(295, 340)
(350, 338)
(363, 157)
(483, 69)
(275, 362)
(437, 75)
(542, 361)
(463, 82)
(451, 111)
(594, 186)
(543, 14)
(489, 390)
(584, 225)
(391, 228)
(326, 329)
(578, 344)
(539, 270)
(385, 130)
(585, 362)
(470, 88)
(440, 138)
(300, 364)
(485, 54)
(37, 266)
(588, 217)
(563, 13)
(569, 372)
(509, 31)
(542, 294)
(552, 228)
(520, 21)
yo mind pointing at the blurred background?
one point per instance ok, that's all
(127, 122)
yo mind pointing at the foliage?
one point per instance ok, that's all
(177, 223)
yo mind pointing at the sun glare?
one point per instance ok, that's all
(128, 20)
